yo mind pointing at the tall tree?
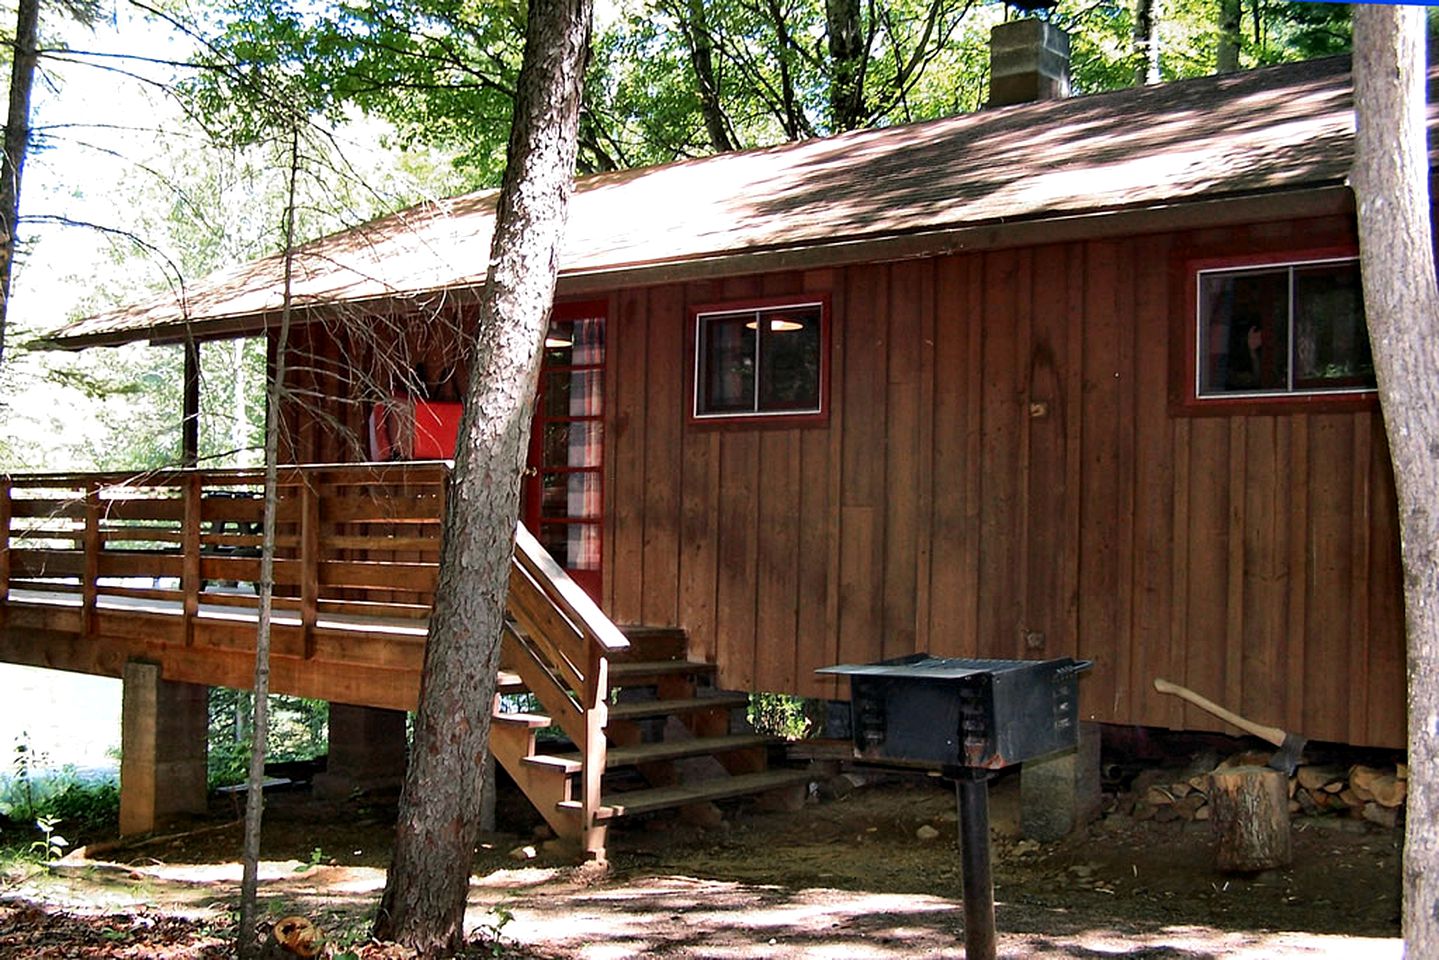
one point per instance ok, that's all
(24, 54)
(247, 942)
(1231, 37)
(17, 143)
(1146, 42)
(1391, 184)
(847, 61)
(696, 30)
(423, 905)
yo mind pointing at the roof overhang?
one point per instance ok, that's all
(1313, 201)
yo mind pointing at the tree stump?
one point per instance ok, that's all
(1251, 818)
(293, 937)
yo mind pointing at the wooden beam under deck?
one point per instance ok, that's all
(361, 661)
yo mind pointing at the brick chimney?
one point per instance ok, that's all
(1028, 60)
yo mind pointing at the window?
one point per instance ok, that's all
(766, 361)
(1283, 330)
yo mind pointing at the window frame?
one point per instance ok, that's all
(1293, 401)
(757, 418)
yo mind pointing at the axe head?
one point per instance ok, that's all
(1287, 757)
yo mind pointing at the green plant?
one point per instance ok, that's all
(492, 932)
(299, 730)
(85, 805)
(24, 763)
(52, 846)
(35, 792)
(317, 857)
(780, 715)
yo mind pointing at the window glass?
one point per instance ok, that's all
(728, 364)
(1331, 343)
(575, 545)
(572, 393)
(1285, 329)
(572, 444)
(574, 494)
(765, 361)
(1247, 326)
(790, 356)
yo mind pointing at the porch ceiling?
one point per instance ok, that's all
(1264, 132)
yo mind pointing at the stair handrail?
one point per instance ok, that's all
(601, 639)
(567, 595)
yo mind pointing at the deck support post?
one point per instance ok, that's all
(367, 751)
(1060, 793)
(163, 748)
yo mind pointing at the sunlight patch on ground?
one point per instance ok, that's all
(514, 879)
(685, 917)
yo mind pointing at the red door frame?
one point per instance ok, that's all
(546, 527)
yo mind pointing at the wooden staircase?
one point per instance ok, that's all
(647, 729)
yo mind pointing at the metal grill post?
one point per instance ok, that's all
(972, 794)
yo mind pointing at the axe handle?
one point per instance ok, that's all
(1273, 734)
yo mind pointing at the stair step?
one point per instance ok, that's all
(631, 671)
(509, 682)
(535, 721)
(638, 709)
(652, 643)
(662, 798)
(565, 764)
(675, 749)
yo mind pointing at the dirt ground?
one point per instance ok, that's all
(855, 876)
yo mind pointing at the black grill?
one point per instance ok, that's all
(947, 712)
(967, 718)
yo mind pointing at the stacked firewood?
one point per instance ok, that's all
(1375, 794)
(1363, 792)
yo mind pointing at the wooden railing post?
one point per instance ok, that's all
(4, 550)
(5, 510)
(597, 715)
(192, 493)
(90, 579)
(309, 561)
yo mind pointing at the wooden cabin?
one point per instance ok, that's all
(1086, 377)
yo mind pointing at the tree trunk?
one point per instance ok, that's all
(846, 55)
(1401, 303)
(1230, 38)
(248, 944)
(695, 25)
(17, 142)
(423, 905)
(1146, 42)
(791, 111)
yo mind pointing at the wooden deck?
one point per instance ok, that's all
(99, 569)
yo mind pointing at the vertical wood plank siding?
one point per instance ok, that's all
(1002, 475)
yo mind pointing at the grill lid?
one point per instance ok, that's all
(922, 666)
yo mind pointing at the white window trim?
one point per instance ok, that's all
(1198, 332)
(697, 380)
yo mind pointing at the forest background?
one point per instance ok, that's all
(150, 168)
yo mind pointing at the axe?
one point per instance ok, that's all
(1290, 745)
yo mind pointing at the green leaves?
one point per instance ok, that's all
(441, 70)
(671, 79)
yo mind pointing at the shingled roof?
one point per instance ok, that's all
(1264, 132)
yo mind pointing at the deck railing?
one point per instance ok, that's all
(353, 543)
(356, 545)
